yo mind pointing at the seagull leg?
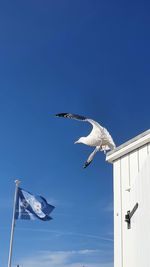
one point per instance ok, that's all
(105, 148)
(91, 156)
(105, 151)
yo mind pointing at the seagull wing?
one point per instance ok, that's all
(109, 139)
(97, 130)
(105, 135)
(71, 116)
(96, 125)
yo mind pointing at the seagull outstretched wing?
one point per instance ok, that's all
(96, 126)
(80, 118)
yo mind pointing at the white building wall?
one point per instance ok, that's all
(131, 176)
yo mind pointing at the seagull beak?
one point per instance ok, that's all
(77, 142)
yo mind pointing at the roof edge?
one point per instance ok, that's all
(128, 146)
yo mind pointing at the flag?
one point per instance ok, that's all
(30, 207)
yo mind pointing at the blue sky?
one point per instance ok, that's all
(89, 57)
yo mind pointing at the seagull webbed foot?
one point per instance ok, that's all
(86, 164)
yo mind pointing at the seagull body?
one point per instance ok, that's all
(99, 137)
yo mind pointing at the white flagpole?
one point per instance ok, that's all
(17, 182)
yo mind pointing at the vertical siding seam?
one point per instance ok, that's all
(114, 209)
(148, 148)
(121, 215)
(138, 160)
(129, 170)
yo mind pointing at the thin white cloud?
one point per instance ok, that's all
(72, 258)
(61, 233)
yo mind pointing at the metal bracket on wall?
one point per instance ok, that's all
(129, 215)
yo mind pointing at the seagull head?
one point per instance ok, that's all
(80, 141)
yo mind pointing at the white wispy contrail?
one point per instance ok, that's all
(87, 235)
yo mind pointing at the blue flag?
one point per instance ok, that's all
(30, 207)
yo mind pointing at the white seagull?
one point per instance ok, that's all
(99, 137)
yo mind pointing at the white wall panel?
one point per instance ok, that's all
(125, 176)
(117, 215)
(143, 152)
(140, 222)
(131, 165)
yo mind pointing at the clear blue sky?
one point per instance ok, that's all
(90, 57)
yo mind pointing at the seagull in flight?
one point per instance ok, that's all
(99, 137)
